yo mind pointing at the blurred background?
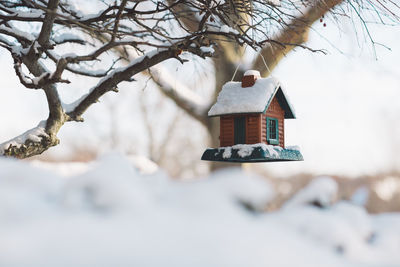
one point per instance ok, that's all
(127, 186)
(347, 105)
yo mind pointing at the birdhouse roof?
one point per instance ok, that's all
(234, 99)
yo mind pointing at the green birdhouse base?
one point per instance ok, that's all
(252, 153)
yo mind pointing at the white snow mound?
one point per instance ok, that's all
(112, 215)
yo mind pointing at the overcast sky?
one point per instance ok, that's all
(347, 103)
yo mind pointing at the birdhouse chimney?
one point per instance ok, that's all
(250, 77)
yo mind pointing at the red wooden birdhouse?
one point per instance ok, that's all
(252, 121)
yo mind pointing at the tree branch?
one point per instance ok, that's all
(47, 24)
(293, 35)
(110, 82)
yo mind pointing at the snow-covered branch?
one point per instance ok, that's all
(22, 37)
(111, 81)
(28, 143)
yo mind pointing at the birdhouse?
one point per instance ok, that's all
(252, 117)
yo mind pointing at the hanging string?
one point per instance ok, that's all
(237, 67)
(252, 31)
(262, 57)
(265, 63)
(233, 76)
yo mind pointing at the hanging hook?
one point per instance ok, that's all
(237, 67)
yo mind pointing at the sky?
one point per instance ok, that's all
(347, 104)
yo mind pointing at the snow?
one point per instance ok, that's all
(245, 150)
(343, 228)
(360, 196)
(62, 168)
(227, 29)
(227, 152)
(252, 72)
(274, 2)
(69, 107)
(207, 49)
(34, 134)
(80, 68)
(70, 55)
(322, 191)
(233, 98)
(216, 3)
(15, 31)
(111, 215)
(293, 148)
(388, 232)
(23, 76)
(143, 164)
(30, 14)
(66, 36)
(37, 80)
(134, 61)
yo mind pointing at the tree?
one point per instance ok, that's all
(152, 31)
(289, 26)
(150, 28)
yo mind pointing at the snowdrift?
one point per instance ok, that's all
(110, 214)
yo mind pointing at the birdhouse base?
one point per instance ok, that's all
(252, 153)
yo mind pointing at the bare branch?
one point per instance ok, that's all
(47, 24)
(113, 79)
(293, 35)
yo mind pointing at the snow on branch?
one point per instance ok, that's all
(110, 82)
(33, 135)
(34, 15)
(68, 38)
(21, 36)
(43, 79)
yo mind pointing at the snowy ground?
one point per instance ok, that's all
(109, 214)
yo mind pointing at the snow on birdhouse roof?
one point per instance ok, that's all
(234, 99)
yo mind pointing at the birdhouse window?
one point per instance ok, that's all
(272, 131)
